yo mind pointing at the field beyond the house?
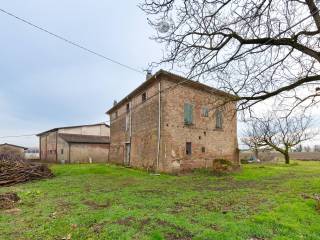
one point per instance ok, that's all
(110, 202)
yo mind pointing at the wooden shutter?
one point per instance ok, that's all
(218, 119)
(188, 109)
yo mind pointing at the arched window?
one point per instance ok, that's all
(219, 119)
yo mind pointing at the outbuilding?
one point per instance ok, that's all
(17, 150)
(76, 144)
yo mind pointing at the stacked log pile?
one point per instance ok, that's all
(15, 171)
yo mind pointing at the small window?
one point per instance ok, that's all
(115, 115)
(219, 119)
(61, 151)
(203, 149)
(188, 114)
(144, 97)
(127, 123)
(188, 148)
(128, 107)
(205, 112)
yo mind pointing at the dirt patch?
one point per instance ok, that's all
(8, 200)
(97, 227)
(63, 206)
(125, 221)
(144, 222)
(179, 207)
(315, 197)
(178, 233)
(152, 192)
(242, 207)
(95, 206)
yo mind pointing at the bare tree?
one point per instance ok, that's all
(316, 148)
(252, 141)
(280, 133)
(307, 148)
(299, 148)
(254, 49)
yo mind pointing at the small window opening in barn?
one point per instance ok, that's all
(205, 112)
(128, 107)
(205, 133)
(188, 114)
(127, 123)
(144, 97)
(188, 148)
(203, 149)
(62, 151)
(199, 137)
(219, 119)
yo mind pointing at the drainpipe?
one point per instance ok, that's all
(130, 131)
(159, 124)
(57, 146)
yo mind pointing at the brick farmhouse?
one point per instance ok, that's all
(75, 144)
(171, 124)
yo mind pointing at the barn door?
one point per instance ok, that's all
(127, 154)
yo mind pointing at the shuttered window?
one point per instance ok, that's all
(219, 120)
(188, 113)
(205, 112)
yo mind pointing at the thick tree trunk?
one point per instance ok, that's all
(256, 153)
(287, 157)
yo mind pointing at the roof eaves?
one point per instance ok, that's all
(68, 127)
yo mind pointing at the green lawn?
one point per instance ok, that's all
(109, 202)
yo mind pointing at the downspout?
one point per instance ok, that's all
(57, 147)
(40, 152)
(159, 125)
(130, 131)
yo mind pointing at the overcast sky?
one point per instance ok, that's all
(46, 83)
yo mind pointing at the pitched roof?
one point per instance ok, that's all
(12, 145)
(175, 78)
(77, 138)
(88, 125)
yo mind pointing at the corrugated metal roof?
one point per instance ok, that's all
(77, 138)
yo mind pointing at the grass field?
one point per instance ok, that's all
(109, 202)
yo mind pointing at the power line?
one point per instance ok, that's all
(71, 42)
(126, 66)
(18, 136)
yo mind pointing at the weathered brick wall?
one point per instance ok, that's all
(218, 143)
(144, 131)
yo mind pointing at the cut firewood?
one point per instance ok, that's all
(19, 171)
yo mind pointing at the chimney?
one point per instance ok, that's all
(149, 74)
(115, 102)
